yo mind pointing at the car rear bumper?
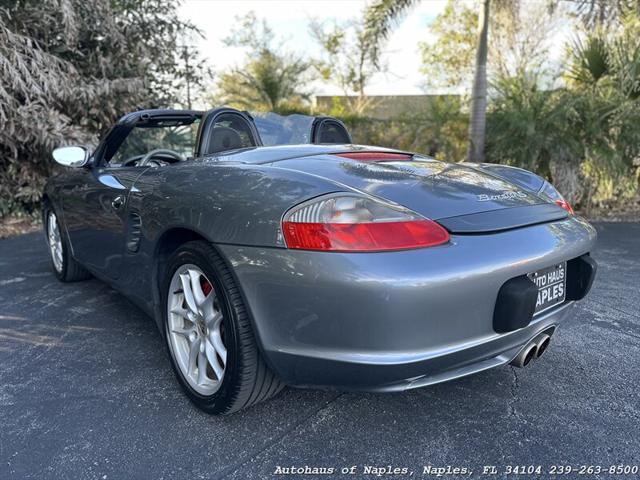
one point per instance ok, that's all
(397, 320)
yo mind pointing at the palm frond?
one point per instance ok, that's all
(379, 18)
(590, 59)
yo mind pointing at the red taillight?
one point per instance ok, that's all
(350, 222)
(564, 204)
(376, 156)
(549, 193)
(364, 237)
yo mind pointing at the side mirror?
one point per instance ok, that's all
(74, 157)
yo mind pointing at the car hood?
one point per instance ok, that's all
(431, 188)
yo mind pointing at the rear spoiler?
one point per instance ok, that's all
(504, 219)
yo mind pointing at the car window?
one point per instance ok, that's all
(169, 135)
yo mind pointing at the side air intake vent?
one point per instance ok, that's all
(135, 227)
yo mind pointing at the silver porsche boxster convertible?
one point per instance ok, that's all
(273, 251)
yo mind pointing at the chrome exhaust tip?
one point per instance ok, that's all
(525, 355)
(542, 343)
(534, 349)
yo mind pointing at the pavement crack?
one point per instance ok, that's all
(231, 469)
(513, 390)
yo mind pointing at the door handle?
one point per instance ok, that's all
(118, 202)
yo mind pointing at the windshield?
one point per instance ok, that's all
(169, 135)
(276, 129)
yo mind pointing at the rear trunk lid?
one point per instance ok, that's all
(461, 198)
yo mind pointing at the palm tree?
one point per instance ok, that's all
(271, 78)
(269, 82)
(478, 118)
(381, 15)
(594, 13)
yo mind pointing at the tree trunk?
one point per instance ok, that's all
(478, 118)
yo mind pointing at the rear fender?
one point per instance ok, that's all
(228, 203)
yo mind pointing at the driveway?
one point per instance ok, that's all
(87, 393)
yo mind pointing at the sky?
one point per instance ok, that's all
(290, 20)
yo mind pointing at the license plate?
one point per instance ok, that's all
(551, 283)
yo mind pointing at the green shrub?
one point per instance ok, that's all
(585, 137)
(68, 70)
(531, 128)
(440, 130)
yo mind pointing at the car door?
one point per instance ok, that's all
(95, 209)
(95, 200)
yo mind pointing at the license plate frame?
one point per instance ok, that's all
(552, 286)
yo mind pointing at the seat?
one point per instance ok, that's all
(223, 138)
(225, 129)
(330, 131)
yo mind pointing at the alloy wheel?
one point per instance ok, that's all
(196, 330)
(55, 241)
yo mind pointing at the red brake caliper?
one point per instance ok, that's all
(206, 286)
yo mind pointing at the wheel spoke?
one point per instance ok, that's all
(207, 308)
(213, 360)
(194, 351)
(181, 312)
(202, 368)
(188, 294)
(196, 288)
(183, 331)
(216, 343)
(213, 320)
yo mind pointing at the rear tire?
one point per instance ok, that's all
(234, 375)
(64, 266)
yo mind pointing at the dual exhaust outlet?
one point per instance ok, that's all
(534, 349)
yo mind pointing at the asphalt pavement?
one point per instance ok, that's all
(86, 392)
